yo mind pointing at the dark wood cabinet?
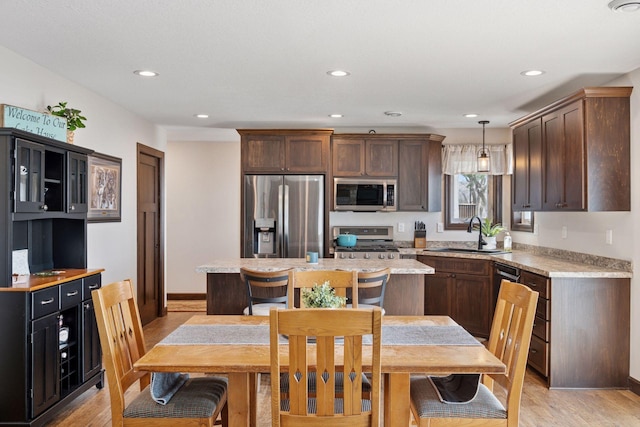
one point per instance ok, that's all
(420, 175)
(354, 155)
(526, 181)
(462, 289)
(285, 151)
(585, 152)
(564, 161)
(414, 159)
(581, 331)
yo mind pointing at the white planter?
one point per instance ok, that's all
(491, 242)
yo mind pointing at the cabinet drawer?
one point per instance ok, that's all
(538, 351)
(536, 282)
(89, 284)
(542, 309)
(70, 294)
(459, 265)
(541, 328)
(45, 301)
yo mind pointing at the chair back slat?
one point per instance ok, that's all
(510, 339)
(266, 286)
(375, 283)
(121, 338)
(326, 357)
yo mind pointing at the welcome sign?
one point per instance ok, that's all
(31, 121)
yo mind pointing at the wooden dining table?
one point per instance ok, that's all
(241, 359)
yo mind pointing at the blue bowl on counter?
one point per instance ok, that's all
(347, 240)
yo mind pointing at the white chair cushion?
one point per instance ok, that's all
(365, 306)
(263, 308)
(428, 405)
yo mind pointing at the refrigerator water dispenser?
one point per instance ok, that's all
(264, 231)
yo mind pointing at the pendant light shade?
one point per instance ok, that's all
(484, 162)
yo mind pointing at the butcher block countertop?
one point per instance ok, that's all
(233, 265)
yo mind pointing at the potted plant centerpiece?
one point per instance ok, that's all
(490, 231)
(322, 296)
(74, 119)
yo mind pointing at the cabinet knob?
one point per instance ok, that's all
(73, 207)
(44, 207)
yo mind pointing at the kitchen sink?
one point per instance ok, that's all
(468, 250)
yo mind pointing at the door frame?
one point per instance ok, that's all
(161, 309)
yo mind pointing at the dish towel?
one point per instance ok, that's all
(456, 388)
(165, 384)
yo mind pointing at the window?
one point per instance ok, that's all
(469, 195)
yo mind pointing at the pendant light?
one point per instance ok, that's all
(484, 163)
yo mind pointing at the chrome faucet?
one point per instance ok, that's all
(481, 241)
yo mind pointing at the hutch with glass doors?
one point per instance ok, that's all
(46, 312)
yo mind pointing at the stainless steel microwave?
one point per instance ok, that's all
(364, 195)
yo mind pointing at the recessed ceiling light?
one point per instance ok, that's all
(202, 116)
(335, 116)
(532, 73)
(624, 5)
(338, 73)
(471, 115)
(393, 113)
(146, 73)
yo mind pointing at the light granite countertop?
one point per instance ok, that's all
(233, 265)
(547, 265)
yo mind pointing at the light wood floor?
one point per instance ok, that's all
(540, 407)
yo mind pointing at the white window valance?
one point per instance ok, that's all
(463, 158)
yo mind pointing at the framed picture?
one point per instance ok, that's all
(105, 188)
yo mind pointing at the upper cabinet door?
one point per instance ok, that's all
(307, 153)
(381, 157)
(526, 189)
(263, 153)
(420, 175)
(77, 188)
(348, 157)
(564, 161)
(29, 177)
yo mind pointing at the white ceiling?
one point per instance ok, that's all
(263, 63)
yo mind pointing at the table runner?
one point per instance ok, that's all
(259, 335)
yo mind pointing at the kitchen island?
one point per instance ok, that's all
(404, 295)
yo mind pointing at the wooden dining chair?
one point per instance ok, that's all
(371, 288)
(327, 357)
(345, 283)
(265, 289)
(509, 341)
(197, 403)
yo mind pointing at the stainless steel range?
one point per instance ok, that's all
(373, 243)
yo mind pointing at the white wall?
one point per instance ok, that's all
(111, 130)
(203, 208)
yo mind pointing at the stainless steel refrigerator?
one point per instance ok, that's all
(283, 215)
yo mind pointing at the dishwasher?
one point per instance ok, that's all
(503, 271)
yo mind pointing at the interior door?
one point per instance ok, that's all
(150, 283)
